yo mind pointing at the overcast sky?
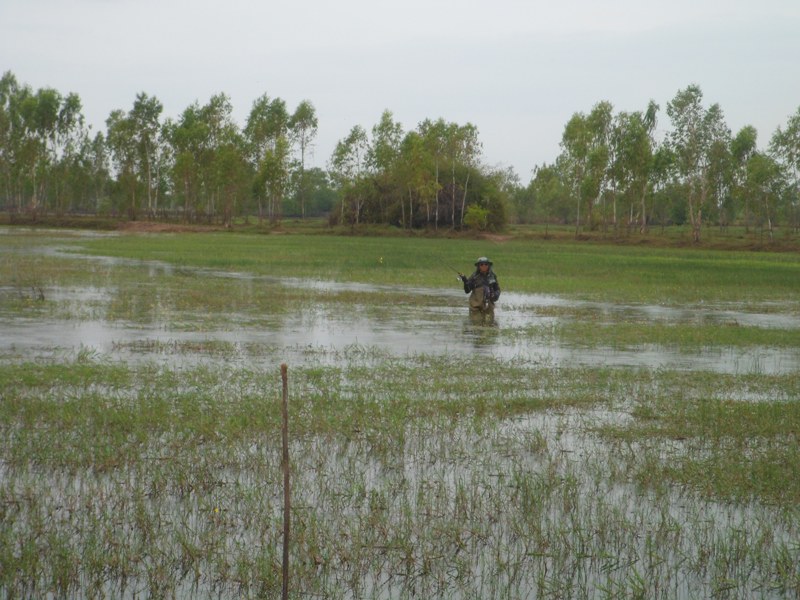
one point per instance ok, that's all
(516, 69)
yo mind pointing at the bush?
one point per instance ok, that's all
(476, 218)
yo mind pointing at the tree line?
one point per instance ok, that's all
(200, 166)
(614, 170)
(203, 167)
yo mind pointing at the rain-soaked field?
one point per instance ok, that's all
(610, 435)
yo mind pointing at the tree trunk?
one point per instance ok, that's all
(34, 199)
(769, 219)
(149, 187)
(464, 200)
(302, 178)
(605, 218)
(186, 199)
(155, 198)
(696, 222)
(410, 209)
(436, 193)
(643, 229)
(453, 197)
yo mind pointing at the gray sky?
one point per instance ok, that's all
(516, 69)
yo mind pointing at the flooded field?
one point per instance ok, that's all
(573, 448)
(434, 322)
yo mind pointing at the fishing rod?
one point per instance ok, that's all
(459, 274)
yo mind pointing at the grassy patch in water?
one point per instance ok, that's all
(723, 447)
(689, 337)
(652, 275)
(418, 475)
(111, 405)
(413, 475)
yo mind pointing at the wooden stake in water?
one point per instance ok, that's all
(286, 495)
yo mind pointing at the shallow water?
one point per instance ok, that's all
(439, 325)
(338, 478)
(411, 330)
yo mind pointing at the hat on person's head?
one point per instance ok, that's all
(483, 261)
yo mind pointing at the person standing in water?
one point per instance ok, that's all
(483, 289)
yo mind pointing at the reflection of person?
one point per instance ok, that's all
(483, 289)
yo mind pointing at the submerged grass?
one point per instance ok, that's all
(190, 300)
(154, 470)
(409, 477)
(688, 336)
(610, 273)
(723, 448)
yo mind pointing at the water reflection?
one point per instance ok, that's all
(418, 330)
(483, 331)
(439, 327)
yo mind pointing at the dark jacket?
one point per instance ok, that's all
(488, 281)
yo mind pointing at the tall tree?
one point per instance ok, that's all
(39, 113)
(187, 139)
(266, 135)
(575, 144)
(720, 172)
(764, 183)
(10, 139)
(232, 176)
(415, 172)
(383, 155)
(785, 146)
(599, 122)
(122, 142)
(387, 136)
(466, 148)
(634, 143)
(273, 177)
(435, 134)
(303, 125)
(348, 163)
(223, 144)
(71, 135)
(696, 132)
(136, 142)
(145, 121)
(96, 156)
(743, 146)
(586, 152)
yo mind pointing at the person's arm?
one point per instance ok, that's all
(495, 291)
(468, 284)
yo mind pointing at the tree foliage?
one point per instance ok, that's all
(615, 170)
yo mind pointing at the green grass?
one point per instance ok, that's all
(400, 465)
(600, 272)
(631, 335)
(154, 469)
(724, 449)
